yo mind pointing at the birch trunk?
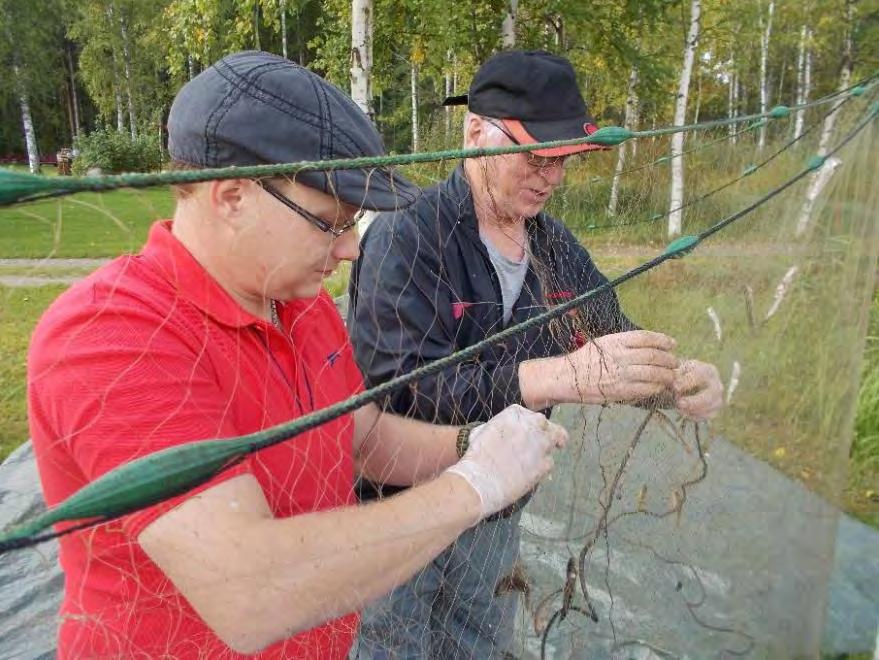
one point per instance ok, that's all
(126, 61)
(284, 28)
(414, 94)
(731, 96)
(27, 123)
(820, 178)
(74, 95)
(361, 54)
(766, 33)
(117, 93)
(256, 26)
(448, 109)
(631, 108)
(30, 135)
(508, 27)
(677, 141)
(801, 76)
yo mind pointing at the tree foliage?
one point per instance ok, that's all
(165, 42)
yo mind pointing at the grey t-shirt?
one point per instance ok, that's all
(511, 275)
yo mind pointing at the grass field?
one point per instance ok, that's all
(85, 225)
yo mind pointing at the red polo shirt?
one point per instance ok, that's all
(149, 352)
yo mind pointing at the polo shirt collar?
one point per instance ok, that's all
(175, 264)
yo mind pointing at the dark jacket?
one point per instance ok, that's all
(425, 287)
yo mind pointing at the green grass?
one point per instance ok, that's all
(83, 225)
(20, 309)
(862, 490)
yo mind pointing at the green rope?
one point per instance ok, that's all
(158, 476)
(16, 187)
(686, 152)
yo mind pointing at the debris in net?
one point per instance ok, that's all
(516, 581)
(568, 592)
(749, 306)
(781, 290)
(641, 499)
(715, 319)
(733, 381)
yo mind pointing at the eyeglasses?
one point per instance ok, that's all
(535, 161)
(320, 223)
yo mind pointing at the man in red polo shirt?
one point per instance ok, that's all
(220, 327)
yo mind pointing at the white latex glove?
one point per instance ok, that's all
(508, 456)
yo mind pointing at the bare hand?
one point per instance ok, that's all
(698, 390)
(509, 455)
(624, 367)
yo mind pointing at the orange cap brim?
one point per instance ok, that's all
(517, 130)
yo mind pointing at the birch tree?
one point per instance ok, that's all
(675, 217)
(733, 95)
(74, 96)
(361, 54)
(631, 110)
(765, 35)
(819, 179)
(413, 72)
(27, 121)
(508, 27)
(126, 63)
(29, 53)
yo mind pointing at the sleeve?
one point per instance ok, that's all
(397, 323)
(111, 387)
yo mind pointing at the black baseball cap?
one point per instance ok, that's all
(255, 108)
(535, 95)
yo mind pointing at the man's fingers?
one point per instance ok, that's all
(688, 383)
(647, 339)
(704, 405)
(649, 374)
(696, 376)
(637, 391)
(557, 435)
(650, 356)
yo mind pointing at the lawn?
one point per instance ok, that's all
(20, 308)
(84, 225)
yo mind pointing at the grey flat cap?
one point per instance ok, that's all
(254, 108)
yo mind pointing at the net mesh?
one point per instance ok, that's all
(655, 536)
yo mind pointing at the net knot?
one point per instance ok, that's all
(680, 247)
(815, 162)
(610, 136)
(779, 112)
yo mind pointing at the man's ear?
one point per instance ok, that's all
(474, 131)
(228, 196)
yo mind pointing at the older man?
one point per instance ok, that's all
(472, 256)
(218, 328)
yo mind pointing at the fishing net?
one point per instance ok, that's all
(656, 536)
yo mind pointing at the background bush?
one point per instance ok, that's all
(114, 152)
